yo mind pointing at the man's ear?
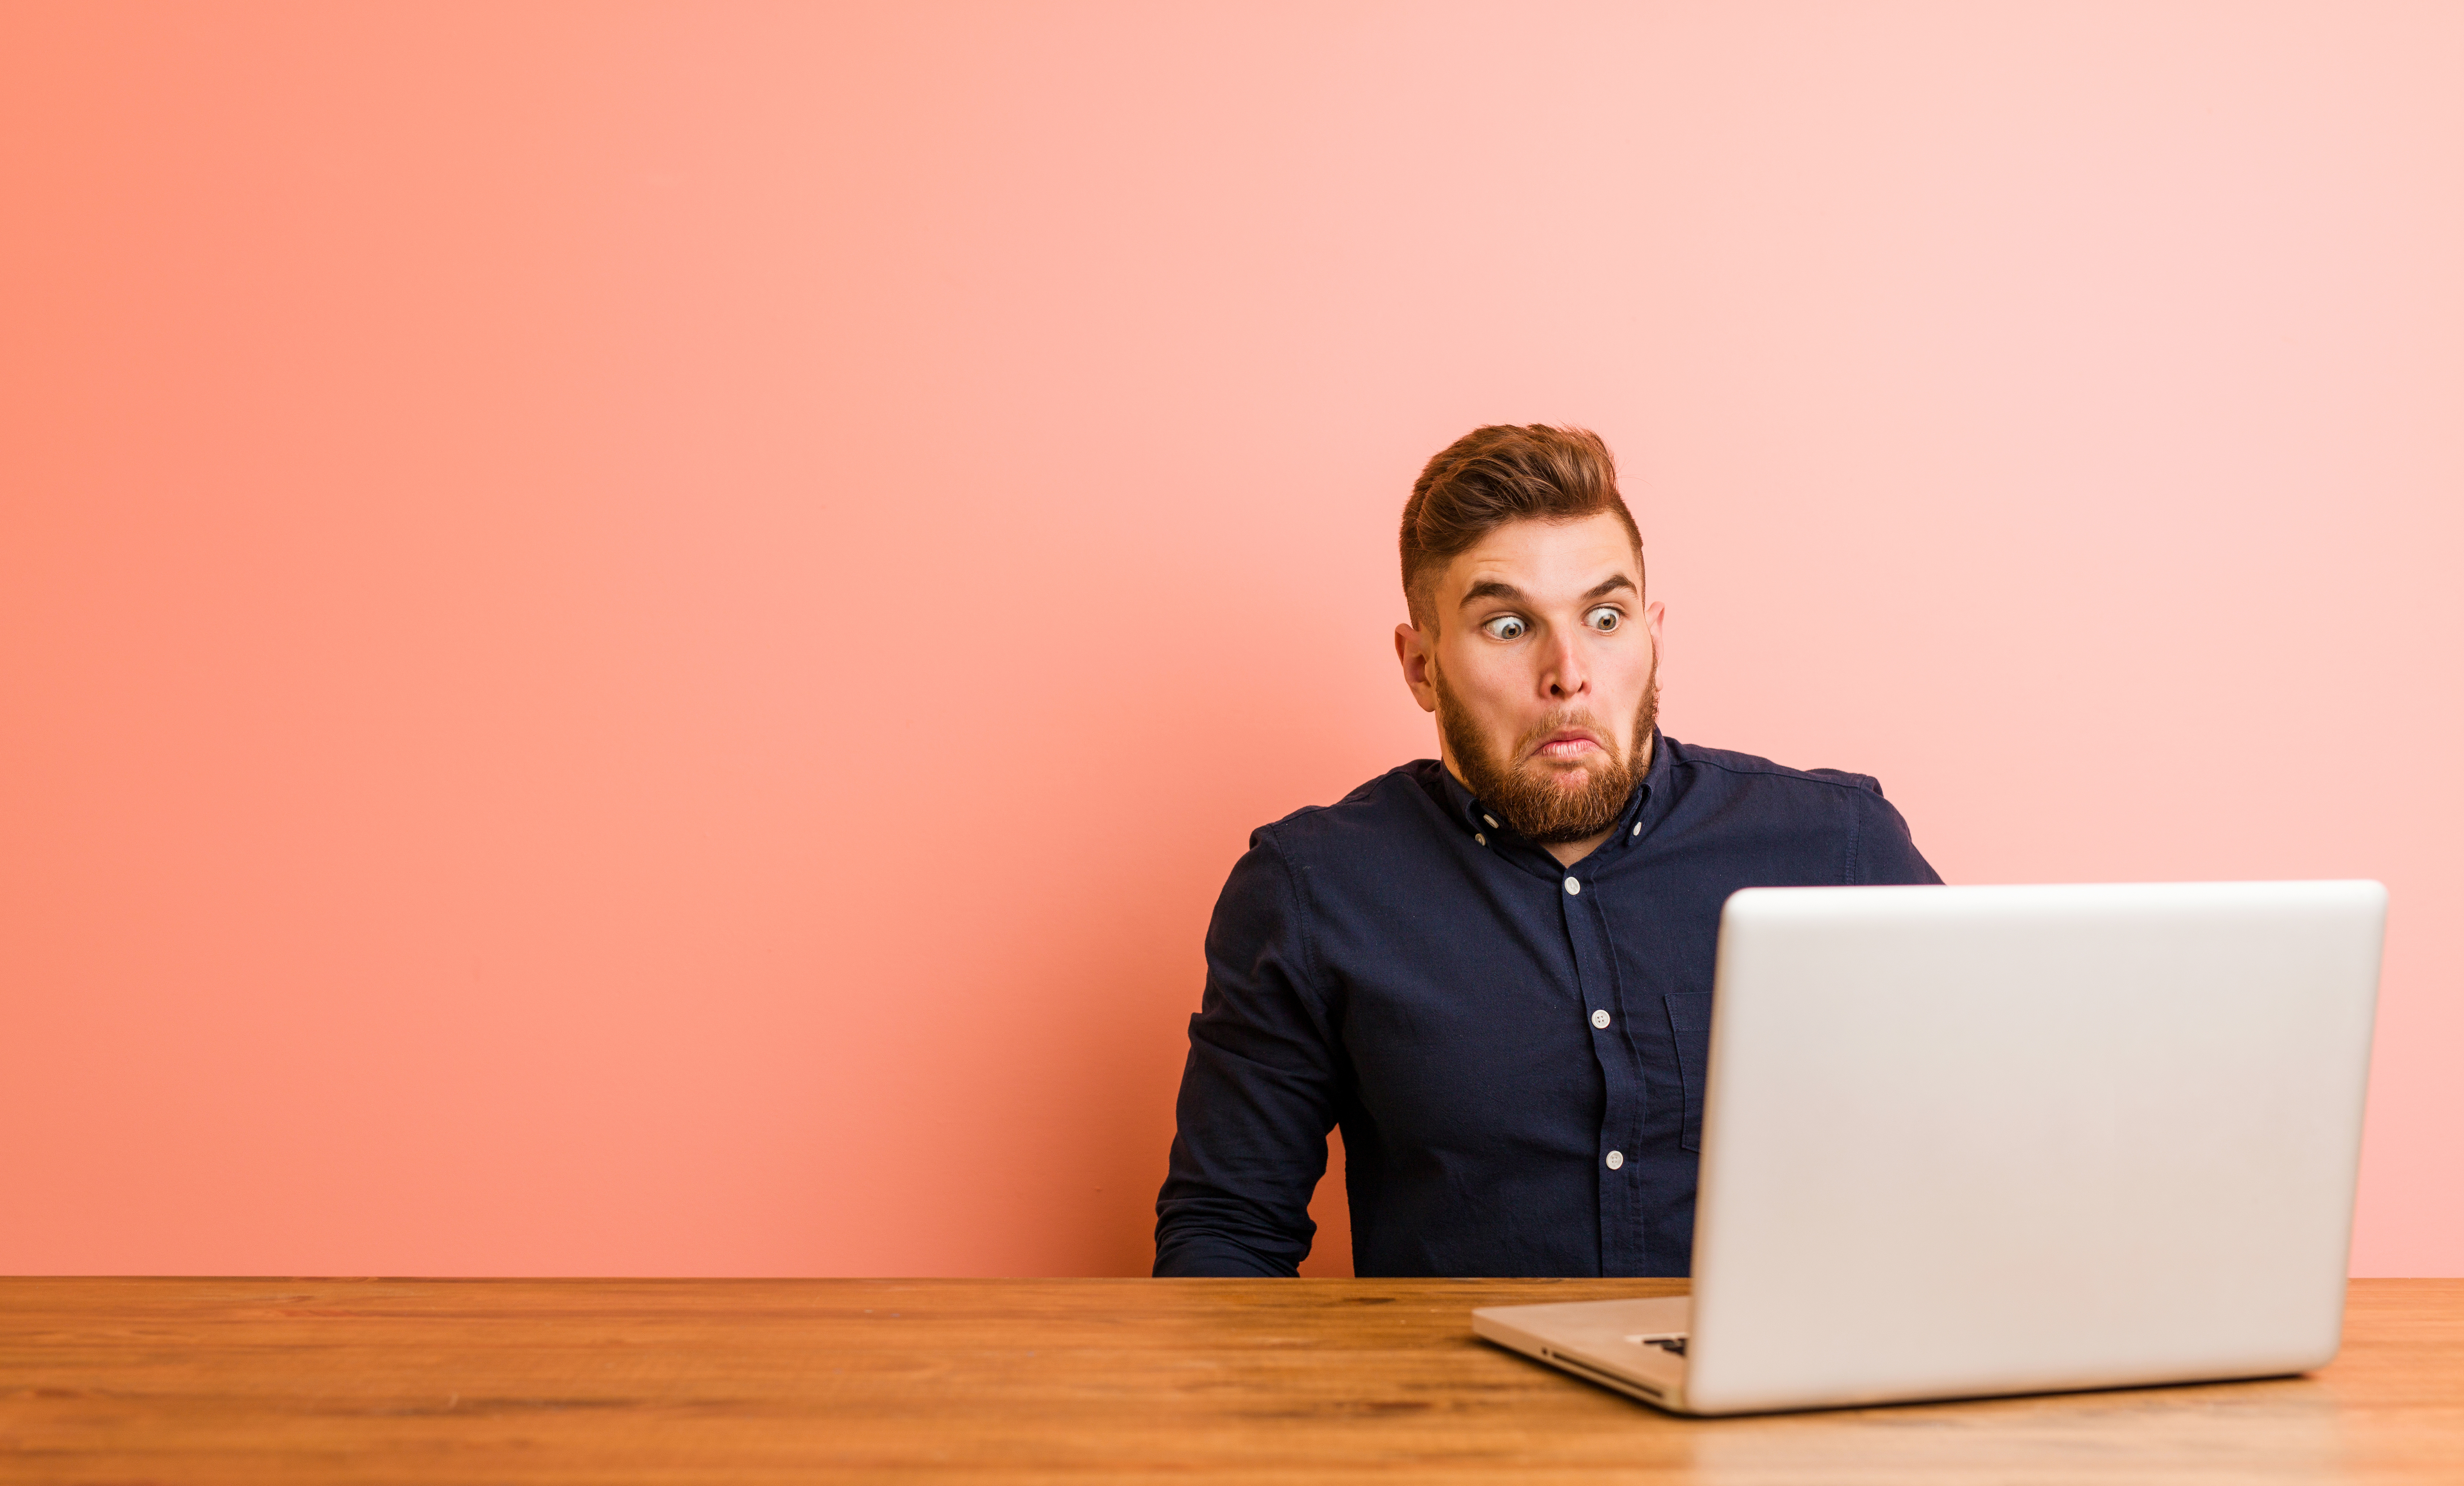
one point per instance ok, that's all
(1414, 648)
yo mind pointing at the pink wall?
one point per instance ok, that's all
(636, 639)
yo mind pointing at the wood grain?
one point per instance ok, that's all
(1049, 1381)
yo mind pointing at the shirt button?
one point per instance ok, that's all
(1573, 885)
(1638, 828)
(1617, 1159)
(1482, 839)
(1600, 1019)
(1492, 821)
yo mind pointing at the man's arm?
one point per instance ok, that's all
(1256, 1096)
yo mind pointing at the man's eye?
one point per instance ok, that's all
(1604, 619)
(1506, 627)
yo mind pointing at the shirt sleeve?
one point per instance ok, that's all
(1885, 852)
(1257, 1094)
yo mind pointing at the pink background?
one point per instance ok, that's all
(634, 639)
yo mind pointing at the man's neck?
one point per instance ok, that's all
(1568, 852)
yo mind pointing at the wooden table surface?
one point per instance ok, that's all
(1022, 1381)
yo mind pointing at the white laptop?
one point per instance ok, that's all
(1972, 1140)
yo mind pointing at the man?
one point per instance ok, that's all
(1493, 969)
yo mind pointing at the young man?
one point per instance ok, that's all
(1493, 969)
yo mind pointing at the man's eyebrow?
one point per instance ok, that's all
(1491, 588)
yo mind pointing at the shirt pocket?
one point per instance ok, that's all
(1689, 1022)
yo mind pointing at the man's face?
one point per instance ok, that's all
(1543, 672)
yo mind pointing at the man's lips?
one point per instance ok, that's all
(1571, 744)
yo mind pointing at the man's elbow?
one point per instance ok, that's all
(1217, 1257)
(1213, 1234)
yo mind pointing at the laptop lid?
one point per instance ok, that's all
(1963, 1141)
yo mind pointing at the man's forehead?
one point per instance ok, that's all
(1538, 556)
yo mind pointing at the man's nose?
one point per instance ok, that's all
(1565, 675)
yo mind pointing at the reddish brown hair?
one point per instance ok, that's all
(1503, 473)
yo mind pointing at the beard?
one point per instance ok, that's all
(1531, 796)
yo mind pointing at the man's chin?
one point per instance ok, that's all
(1563, 801)
(1566, 777)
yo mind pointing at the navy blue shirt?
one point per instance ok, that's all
(1514, 1048)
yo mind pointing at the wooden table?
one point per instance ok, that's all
(1077, 1380)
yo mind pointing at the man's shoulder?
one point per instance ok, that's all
(1785, 813)
(1747, 770)
(1392, 802)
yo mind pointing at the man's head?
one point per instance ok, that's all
(1530, 636)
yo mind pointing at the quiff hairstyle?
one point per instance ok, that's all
(1504, 472)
